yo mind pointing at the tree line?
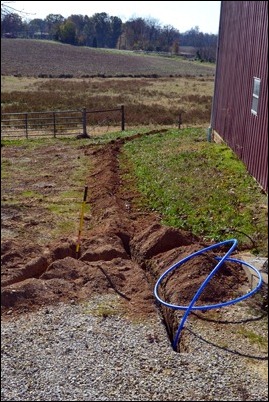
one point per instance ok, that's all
(104, 31)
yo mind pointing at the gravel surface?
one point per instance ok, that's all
(70, 353)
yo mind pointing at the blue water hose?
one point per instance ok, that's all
(191, 306)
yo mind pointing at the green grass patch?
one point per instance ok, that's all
(198, 186)
(36, 143)
(31, 194)
(254, 338)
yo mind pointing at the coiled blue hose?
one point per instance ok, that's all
(191, 306)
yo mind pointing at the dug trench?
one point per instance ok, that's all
(125, 252)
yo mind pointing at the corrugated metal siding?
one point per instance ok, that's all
(243, 55)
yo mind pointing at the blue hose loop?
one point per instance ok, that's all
(191, 306)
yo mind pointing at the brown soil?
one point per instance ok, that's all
(32, 58)
(124, 253)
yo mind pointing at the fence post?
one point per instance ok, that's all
(122, 118)
(26, 125)
(84, 123)
(54, 125)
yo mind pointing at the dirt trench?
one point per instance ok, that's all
(125, 252)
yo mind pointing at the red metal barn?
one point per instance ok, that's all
(240, 104)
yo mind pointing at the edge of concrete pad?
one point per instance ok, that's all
(258, 263)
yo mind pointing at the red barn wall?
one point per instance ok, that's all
(242, 55)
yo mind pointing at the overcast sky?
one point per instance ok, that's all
(182, 15)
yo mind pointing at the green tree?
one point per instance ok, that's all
(102, 28)
(88, 32)
(67, 32)
(79, 20)
(115, 31)
(53, 22)
(84, 29)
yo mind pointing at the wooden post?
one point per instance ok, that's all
(84, 122)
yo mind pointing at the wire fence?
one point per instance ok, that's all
(60, 123)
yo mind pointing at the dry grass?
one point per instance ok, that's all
(147, 100)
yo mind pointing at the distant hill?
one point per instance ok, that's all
(41, 58)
